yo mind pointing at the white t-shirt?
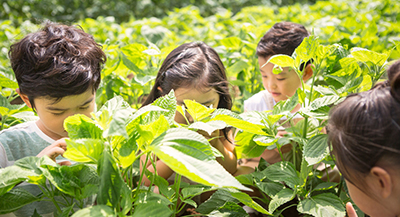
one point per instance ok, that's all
(261, 101)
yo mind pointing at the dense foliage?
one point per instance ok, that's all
(122, 10)
(351, 45)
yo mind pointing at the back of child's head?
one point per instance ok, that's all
(192, 65)
(282, 38)
(364, 129)
(57, 61)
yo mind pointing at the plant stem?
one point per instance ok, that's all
(178, 178)
(141, 175)
(340, 187)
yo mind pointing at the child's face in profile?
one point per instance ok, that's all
(282, 85)
(52, 115)
(204, 97)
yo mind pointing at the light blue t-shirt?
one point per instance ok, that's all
(20, 141)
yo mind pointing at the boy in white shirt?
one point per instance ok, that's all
(282, 38)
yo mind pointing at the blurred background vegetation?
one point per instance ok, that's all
(122, 10)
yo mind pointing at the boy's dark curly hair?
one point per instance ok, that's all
(56, 61)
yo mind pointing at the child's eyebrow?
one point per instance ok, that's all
(60, 109)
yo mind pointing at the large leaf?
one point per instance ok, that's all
(84, 150)
(151, 204)
(95, 211)
(282, 60)
(15, 199)
(80, 127)
(246, 200)
(152, 130)
(12, 175)
(316, 149)
(197, 111)
(283, 196)
(306, 50)
(283, 172)
(246, 147)
(322, 205)
(167, 102)
(113, 190)
(217, 200)
(189, 154)
(208, 127)
(79, 181)
(364, 55)
(229, 209)
(239, 124)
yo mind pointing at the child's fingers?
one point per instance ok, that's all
(65, 163)
(55, 152)
(350, 210)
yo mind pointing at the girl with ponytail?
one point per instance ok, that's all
(364, 131)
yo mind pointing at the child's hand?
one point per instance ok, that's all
(54, 150)
(350, 210)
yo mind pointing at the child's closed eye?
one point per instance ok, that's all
(84, 108)
(58, 114)
(280, 79)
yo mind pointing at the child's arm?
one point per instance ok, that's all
(225, 147)
(54, 150)
(162, 169)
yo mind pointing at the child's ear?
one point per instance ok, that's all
(24, 98)
(382, 180)
(308, 72)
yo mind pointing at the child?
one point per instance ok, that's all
(282, 38)
(58, 72)
(364, 131)
(195, 72)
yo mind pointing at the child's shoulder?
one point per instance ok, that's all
(260, 101)
(27, 127)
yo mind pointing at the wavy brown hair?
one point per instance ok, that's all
(56, 61)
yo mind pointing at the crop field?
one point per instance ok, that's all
(350, 46)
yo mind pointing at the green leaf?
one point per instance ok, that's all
(152, 209)
(84, 150)
(15, 199)
(283, 171)
(79, 181)
(95, 211)
(231, 42)
(208, 127)
(161, 183)
(237, 67)
(321, 205)
(197, 110)
(306, 50)
(270, 188)
(80, 126)
(189, 154)
(283, 196)
(246, 147)
(229, 209)
(167, 102)
(246, 200)
(239, 124)
(325, 186)
(286, 105)
(6, 82)
(316, 149)
(194, 190)
(265, 140)
(113, 190)
(364, 55)
(282, 60)
(323, 101)
(150, 131)
(217, 200)
(12, 175)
